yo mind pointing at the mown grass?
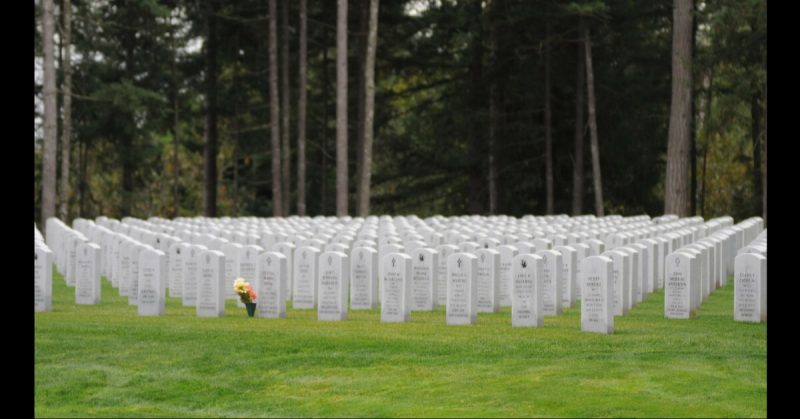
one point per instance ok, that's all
(104, 360)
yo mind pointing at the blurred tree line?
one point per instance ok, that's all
(479, 106)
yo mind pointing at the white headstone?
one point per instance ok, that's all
(42, 278)
(272, 276)
(191, 274)
(488, 280)
(597, 304)
(87, 274)
(677, 286)
(444, 252)
(750, 288)
(363, 278)
(527, 298)
(507, 253)
(304, 295)
(424, 265)
(332, 285)
(462, 290)
(152, 275)
(395, 275)
(211, 285)
(177, 256)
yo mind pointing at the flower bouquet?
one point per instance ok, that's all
(246, 294)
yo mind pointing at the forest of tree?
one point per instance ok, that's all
(279, 107)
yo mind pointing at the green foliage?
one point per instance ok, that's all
(106, 361)
(434, 71)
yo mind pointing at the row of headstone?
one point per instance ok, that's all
(420, 294)
(696, 269)
(42, 273)
(388, 247)
(750, 280)
(556, 245)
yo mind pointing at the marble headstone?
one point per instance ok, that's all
(597, 304)
(462, 290)
(363, 278)
(527, 298)
(488, 280)
(191, 274)
(332, 286)
(395, 274)
(677, 286)
(507, 253)
(304, 295)
(272, 279)
(551, 282)
(211, 284)
(42, 278)
(87, 274)
(152, 275)
(424, 265)
(750, 288)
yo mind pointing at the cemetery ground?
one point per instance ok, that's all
(104, 360)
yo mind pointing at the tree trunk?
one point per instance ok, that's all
(548, 133)
(755, 131)
(210, 155)
(175, 120)
(476, 106)
(707, 129)
(676, 188)
(493, 102)
(285, 110)
(236, 128)
(764, 216)
(49, 150)
(492, 148)
(127, 150)
(326, 82)
(596, 175)
(577, 173)
(81, 179)
(365, 174)
(341, 108)
(277, 202)
(692, 164)
(361, 53)
(301, 115)
(693, 133)
(66, 133)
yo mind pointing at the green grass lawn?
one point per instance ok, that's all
(104, 360)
